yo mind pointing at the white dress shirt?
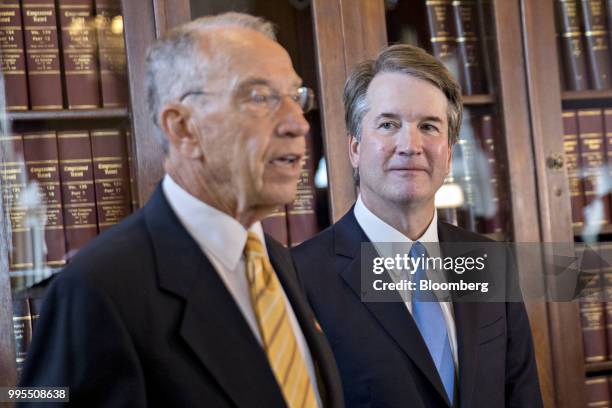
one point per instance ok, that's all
(379, 231)
(222, 239)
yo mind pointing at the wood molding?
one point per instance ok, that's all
(553, 195)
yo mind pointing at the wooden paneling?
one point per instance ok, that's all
(347, 32)
(553, 194)
(148, 153)
(521, 170)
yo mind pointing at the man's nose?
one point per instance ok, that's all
(292, 123)
(410, 140)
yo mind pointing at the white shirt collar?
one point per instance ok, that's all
(218, 234)
(379, 231)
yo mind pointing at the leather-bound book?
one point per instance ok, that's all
(469, 48)
(592, 316)
(605, 252)
(571, 42)
(133, 185)
(111, 50)
(22, 330)
(486, 137)
(12, 56)
(486, 23)
(301, 215)
(275, 225)
(78, 192)
(593, 157)
(35, 307)
(42, 163)
(441, 33)
(42, 50)
(609, 19)
(79, 48)
(597, 43)
(607, 116)
(597, 392)
(13, 179)
(111, 176)
(571, 148)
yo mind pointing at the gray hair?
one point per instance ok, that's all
(175, 65)
(406, 59)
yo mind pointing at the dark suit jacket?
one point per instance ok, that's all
(141, 318)
(382, 358)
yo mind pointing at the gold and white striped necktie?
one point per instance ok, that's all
(279, 341)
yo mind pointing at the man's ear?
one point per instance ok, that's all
(354, 151)
(449, 162)
(175, 120)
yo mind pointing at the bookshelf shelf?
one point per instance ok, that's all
(589, 95)
(478, 100)
(68, 115)
(598, 367)
(605, 230)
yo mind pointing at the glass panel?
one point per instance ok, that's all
(294, 223)
(462, 36)
(65, 136)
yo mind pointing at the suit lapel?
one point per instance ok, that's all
(392, 316)
(466, 322)
(320, 351)
(212, 325)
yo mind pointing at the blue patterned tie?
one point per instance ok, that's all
(427, 313)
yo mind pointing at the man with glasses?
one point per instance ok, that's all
(187, 303)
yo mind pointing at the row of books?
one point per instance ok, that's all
(83, 67)
(599, 391)
(584, 32)
(478, 173)
(26, 311)
(587, 143)
(457, 34)
(295, 223)
(60, 189)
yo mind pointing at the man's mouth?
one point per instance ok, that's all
(288, 160)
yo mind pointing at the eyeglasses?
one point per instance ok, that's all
(263, 100)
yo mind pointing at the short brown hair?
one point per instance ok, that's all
(406, 59)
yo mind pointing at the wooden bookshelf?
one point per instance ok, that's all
(478, 100)
(68, 115)
(603, 367)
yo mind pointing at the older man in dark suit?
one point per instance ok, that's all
(403, 113)
(186, 303)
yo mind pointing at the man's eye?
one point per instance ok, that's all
(387, 126)
(428, 127)
(258, 97)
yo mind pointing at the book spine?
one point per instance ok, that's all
(12, 56)
(42, 50)
(487, 39)
(464, 176)
(301, 216)
(609, 18)
(111, 176)
(605, 252)
(569, 26)
(469, 51)
(13, 176)
(574, 165)
(441, 33)
(597, 392)
(598, 45)
(35, 306)
(275, 225)
(76, 173)
(79, 52)
(592, 317)
(42, 163)
(607, 115)
(133, 185)
(112, 56)
(495, 222)
(22, 330)
(593, 157)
